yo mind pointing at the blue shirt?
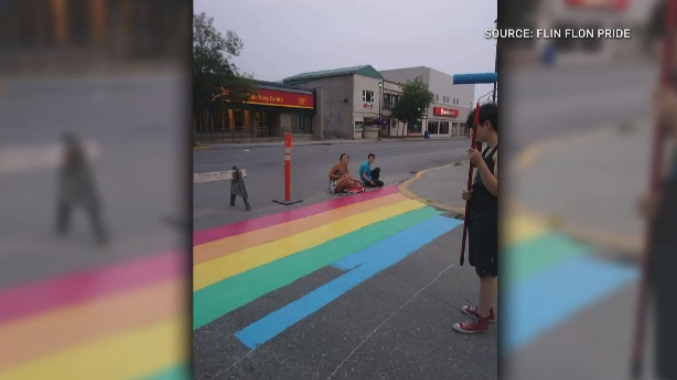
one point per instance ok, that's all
(365, 168)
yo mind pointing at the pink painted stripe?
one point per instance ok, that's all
(221, 232)
(34, 298)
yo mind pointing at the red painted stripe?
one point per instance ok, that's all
(221, 232)
(26, 300)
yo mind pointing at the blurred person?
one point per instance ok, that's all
(483, 223)
(77, 189)
(370, 176)
(660, 208)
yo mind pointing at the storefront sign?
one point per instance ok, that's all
(279, 98)
(368, 105)
(440, 111)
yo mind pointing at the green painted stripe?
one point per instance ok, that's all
(179, 372)
(545, 251)
(229, 294)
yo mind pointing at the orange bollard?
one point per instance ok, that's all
(287, 173)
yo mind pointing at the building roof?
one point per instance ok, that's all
(280, 86)
(364, 70)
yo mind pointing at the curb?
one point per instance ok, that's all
(404, 189)
(624, 248)
(226, 146)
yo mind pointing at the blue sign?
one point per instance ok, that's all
(475, 78)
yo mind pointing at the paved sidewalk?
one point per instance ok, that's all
(440, 187)
(589, 184)
(326, 141)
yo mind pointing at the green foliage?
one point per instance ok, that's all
(212, 66)
(413, 102)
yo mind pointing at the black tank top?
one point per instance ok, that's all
(482, 199)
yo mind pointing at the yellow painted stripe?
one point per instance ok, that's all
(519, 228)
(224, 247)
(136, 353)
(216, 270)
(69, 327)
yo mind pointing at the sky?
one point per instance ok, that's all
(285, 38)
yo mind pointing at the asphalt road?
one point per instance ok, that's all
(135, 123)
(397, 159)
(547, 103)
(595, 341)
(396, 325)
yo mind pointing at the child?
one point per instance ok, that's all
(483, 223)
(369, 176)
(340, 177)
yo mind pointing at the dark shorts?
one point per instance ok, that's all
(483, 241)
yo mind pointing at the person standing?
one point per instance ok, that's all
(483, 223)
(77, 188)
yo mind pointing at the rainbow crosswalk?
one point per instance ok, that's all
(360, 235)
(550, 278)
(98, 324)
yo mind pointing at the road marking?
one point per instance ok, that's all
(23, 159)
(224, 247)
(227, 295)
(63, 328)
(216, 233)
(561, 291)
(27, 300)
(132, 354)
(211, 272)
(373, 260)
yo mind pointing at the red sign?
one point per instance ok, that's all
(279, 98)
(617, 5)
(440, 111)
(368, 105)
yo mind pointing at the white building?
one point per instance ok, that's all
(348, 99)
(451, 103)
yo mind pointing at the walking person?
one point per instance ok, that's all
(483, 223)
(77, 188)
(370, 176)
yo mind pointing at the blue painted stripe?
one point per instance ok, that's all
(547, 298)
(373, 260)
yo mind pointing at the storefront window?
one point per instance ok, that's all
(359, 125)
(433, 127)
(300, 123)
(444, 127)
(368, 121)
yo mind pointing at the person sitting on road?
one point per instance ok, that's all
(340, 177)
(369, 176)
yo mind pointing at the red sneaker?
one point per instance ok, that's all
(472, 310)
(472, 325)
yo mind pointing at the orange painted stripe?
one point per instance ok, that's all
(224, 247)
(65, 328)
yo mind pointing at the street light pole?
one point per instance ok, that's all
(380, 102)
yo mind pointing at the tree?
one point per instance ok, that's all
(212, 66)
(413, 102)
